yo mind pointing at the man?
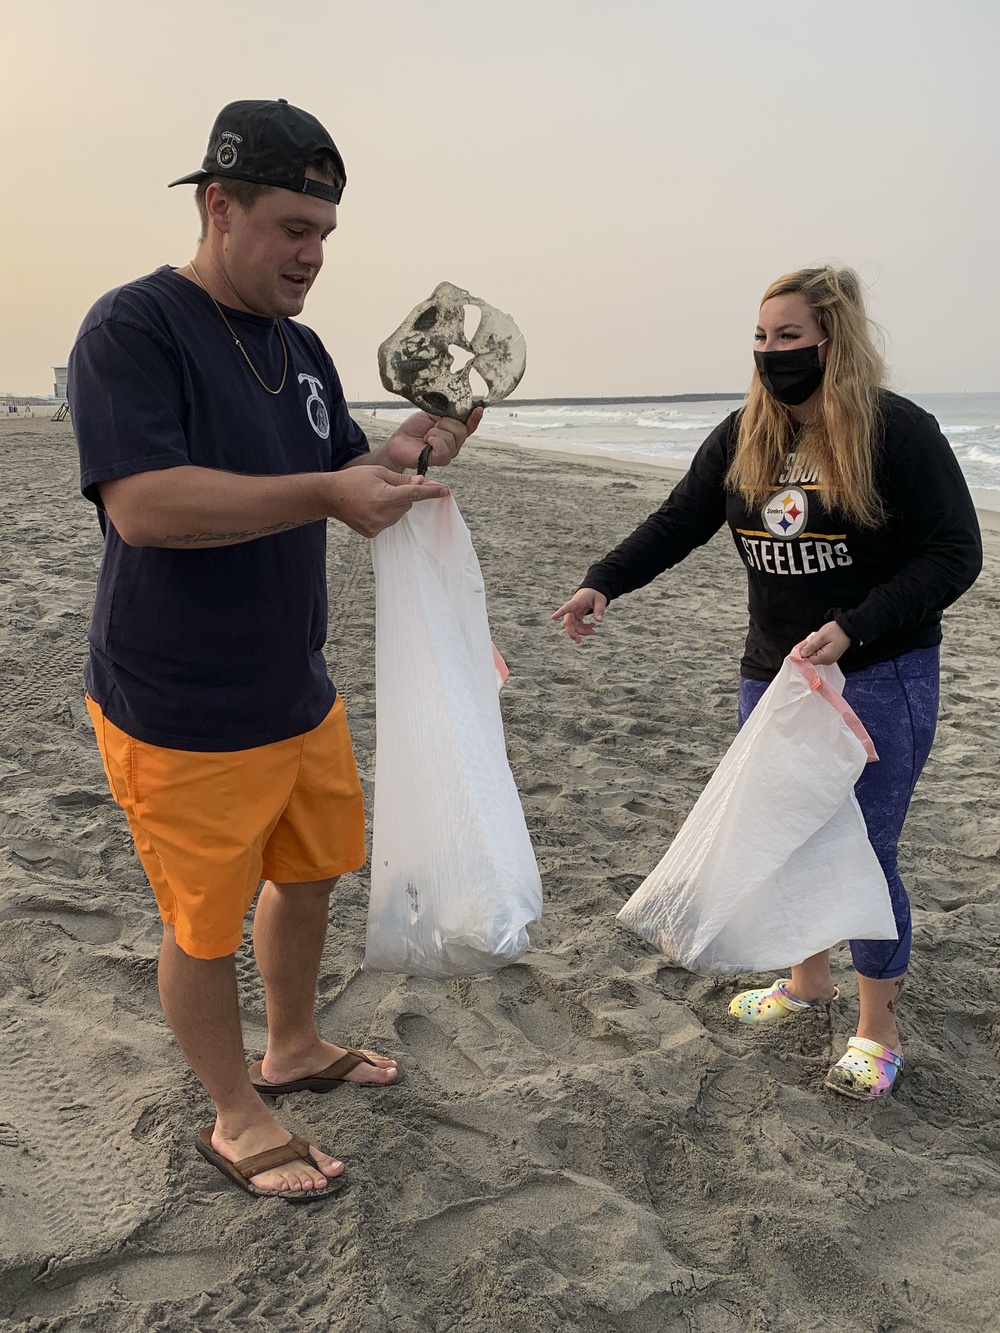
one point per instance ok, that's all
(215, 441)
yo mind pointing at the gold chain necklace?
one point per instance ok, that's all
(277, 324)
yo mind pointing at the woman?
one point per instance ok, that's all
(856, 528)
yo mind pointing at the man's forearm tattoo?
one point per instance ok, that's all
(222, 538)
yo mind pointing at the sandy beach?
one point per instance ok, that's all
(583, 1141)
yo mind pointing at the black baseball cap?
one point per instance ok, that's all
(269, 143)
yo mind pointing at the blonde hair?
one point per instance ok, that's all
(838, 445)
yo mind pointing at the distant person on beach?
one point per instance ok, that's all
(215, 442)
(855, 526)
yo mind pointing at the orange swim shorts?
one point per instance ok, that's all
(208, 826)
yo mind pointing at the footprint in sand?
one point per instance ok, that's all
(59, 1114)
(567, 1220)
(45, 857)
(474, 1151)
(66, 1285)
(430, 1051)
(88, 925)
(551, 1024)
(79, 800)
(345, 1008)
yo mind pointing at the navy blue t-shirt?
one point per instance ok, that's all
(218, 648)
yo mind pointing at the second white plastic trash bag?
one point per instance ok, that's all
(773, 864)
(454, 881)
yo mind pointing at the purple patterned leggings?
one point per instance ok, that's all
(897, 701)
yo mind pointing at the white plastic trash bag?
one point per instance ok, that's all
(773, 864)
(454, 881)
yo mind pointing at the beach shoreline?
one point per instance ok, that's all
(583, 1141)
(987, 501)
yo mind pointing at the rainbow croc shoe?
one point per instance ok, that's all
(866, 1071)
(772, 1004)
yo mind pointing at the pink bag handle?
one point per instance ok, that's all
(816, 682)
(500, 666)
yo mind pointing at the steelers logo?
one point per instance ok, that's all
(785, 514)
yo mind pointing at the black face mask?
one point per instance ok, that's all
(791, 376)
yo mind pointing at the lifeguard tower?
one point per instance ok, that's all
(59, 393)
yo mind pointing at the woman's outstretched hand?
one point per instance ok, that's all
(587, 602)
(825, 646)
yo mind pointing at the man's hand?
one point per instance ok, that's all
(587, 602)
(445, 436)
(826, 646)
(369, 499)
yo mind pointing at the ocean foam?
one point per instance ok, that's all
(670, 434)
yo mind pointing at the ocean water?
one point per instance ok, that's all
(670, 433)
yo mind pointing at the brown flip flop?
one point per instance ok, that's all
(295, 1150)
(321, 1082)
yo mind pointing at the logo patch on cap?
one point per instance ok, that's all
(226, 156)
(786, 512)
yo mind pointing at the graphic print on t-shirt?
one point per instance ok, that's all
(319, 417)
(785, 513)
(785, 544)
(799, 474)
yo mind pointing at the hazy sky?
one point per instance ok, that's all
(623, 176)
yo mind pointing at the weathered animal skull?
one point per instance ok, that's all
(417, 361)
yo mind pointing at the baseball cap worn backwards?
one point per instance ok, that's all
(269, 143)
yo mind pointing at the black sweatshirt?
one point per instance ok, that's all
(885, 586)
